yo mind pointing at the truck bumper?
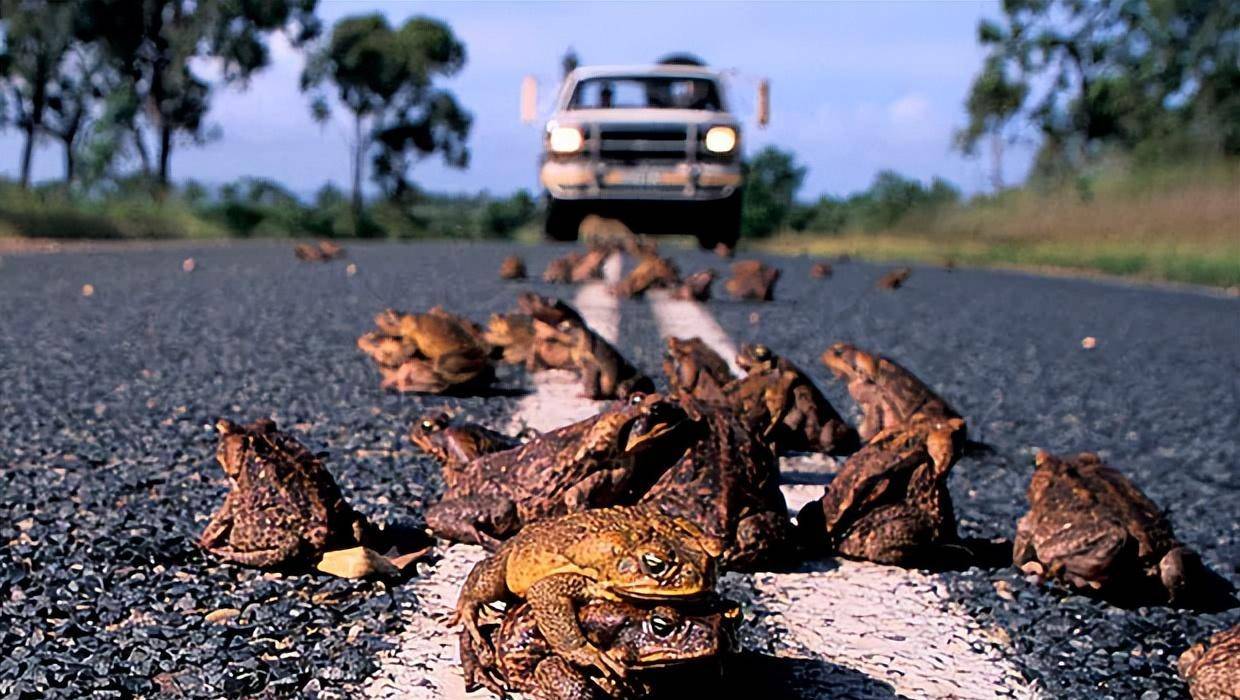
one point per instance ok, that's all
(586, 181)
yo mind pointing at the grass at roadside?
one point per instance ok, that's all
(1179, 225)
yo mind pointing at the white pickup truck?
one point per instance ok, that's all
(655, 146)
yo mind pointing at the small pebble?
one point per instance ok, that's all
(350, 269)
(88, 290)
(1089, 342)
(188, 265)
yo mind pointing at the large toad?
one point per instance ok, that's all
(1212, 668)
(455, 445)
(558, 565)
(642, 637)
(283, 506)
(608, 459)
(889, 503)
(727, 483)
(431, 352)
(781, 403)
(1092, 528)
(889, 395)
(752, 280)
(692, 367)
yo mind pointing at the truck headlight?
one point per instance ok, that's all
(720, 139)
(566, 139)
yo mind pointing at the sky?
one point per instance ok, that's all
(856, 88)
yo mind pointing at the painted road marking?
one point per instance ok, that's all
(424, 662)
(893, 626)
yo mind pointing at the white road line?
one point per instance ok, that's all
(424, 662)
(892, 625)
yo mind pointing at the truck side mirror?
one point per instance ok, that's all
(764, 102)
(529, 99)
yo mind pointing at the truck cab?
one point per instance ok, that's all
(655, 146)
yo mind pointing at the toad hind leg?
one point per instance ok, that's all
(552, 600)
(484, 584)
(560, 681)
(280, 552)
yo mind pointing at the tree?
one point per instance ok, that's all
(74, 99)
(569, 61)
(154, 45)
(385, 79)
(771, 185)
(994, 99)
(37, 36)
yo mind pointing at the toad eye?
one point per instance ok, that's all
(565, 326)
(761, 352)
(654, 564)
(661, 626)
(429, 425)
(637, 399)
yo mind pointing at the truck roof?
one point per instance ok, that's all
(673, 70)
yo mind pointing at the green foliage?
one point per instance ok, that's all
(503, 217)
(386, 78)
(771, 182)
(1154, 77)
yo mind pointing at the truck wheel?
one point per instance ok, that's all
(723, 223)
(563, 220)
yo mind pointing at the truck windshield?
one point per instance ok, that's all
(641, 92)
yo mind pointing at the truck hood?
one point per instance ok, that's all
(643, 116)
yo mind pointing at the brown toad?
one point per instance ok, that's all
(782, 403)
(727, 483)
(693, 368)
(283, 506)
(1092, 528)
(560, 270)
(895, 278)
(440, 351)
(511, 337)
(889, 395)
(695, 287)
(589, 266)
(551, 348)
(608, 459)
(651, 272)
(1212, 668)
(889, 503)
(752, 280)
(604, 372)
(821, 270)
(455, 445)
(512, 268)
(557, 565)
(641, 637)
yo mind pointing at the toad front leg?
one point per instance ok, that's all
(484, 584)
(553, 601)
(558, 680)
(278, 551)
(483, 520)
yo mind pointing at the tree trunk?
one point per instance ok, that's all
(359, 151)
(144, 157)
(996, 162)
(165, 155)
(27, 155)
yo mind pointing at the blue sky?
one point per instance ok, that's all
(856, 87)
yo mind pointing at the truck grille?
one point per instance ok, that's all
(628, 143)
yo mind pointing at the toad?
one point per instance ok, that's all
(727, 484)
(895, 278)
(511, 337)
(642, 637)
(889, 395)
(821, 270)
(752, 280)
(558, 565)
(283, 506)
(560, 270)
(781, 402)
(651, 272)
(441, 351)
(1091, 528)
(693, 368)
(551, 347)
(604, 372)
(512, 268)
(590, 265)
(1212, 668)
(607, 459)
(695, 287)
(889, 503)
(455, 445)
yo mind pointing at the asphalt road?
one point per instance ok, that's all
(106, 402)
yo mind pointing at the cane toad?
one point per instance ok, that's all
(821, 270)
(607, 459)
(695, 287)
(651, 272)
(1212, 668)
(551, 348)
(693, 368)
(889, 395)
(889, 503)
(436, 350)
(1092, 528)
(642, 637)
(560, 270)
(781, 402)
(895, 278)
(753, 280)
(283, 506)
(455, 445)
(604, 372)
(727, 483)
(589, 266)
(512, 268)
(557, 565)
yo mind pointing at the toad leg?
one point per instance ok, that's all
(283, 550)
(553, 600)
(484, 584)
(477, 674)
(219, 527)
(474, 520)
(559, 681)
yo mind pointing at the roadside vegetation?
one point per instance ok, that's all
(1135, 108)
